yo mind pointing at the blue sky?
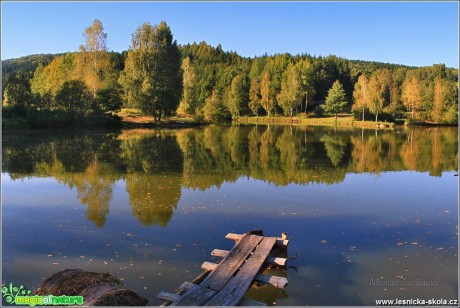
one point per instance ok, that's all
(411, 33)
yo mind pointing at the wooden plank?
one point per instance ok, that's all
(276, 281)
(169, 297)
(209, 266)
(276, 261)
(251, 302)
(219, 253)
(195, 296)
(237, 237)
(217, 279)
(279, 282)
(198, 279)
(235, 289)
(270, 260)
(185, 286)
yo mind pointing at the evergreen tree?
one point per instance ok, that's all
(336, 100)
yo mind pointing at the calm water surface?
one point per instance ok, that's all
(361, 207)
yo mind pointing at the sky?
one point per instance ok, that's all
(409, 33)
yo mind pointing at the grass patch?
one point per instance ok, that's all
(345, 120)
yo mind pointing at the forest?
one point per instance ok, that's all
(161, 78)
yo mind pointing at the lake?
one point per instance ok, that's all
(370, 214)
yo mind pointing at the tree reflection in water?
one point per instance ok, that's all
(156, 164)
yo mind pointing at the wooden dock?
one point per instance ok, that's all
(225, 283)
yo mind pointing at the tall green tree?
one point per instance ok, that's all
(152, 77)
(96, 55)
(307, 77)
(336, 100)
(291, 90)
(188, 102)
(238, 95)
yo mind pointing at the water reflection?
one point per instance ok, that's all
(149, 206)
(156, 164)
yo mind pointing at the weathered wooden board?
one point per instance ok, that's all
(276, 281)
(195, 296)
(235, 289)
(170, 297)
(217, 279)
(269, 260)
(237, 237)
(279, 282)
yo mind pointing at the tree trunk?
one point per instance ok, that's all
(377, 116)
(336, 118)
(291, 114)
(363, 113)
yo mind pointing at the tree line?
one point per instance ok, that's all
(162, 78)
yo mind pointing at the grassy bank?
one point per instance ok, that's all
(345, 120)
(133, 118)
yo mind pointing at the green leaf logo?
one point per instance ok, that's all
(10, 292)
